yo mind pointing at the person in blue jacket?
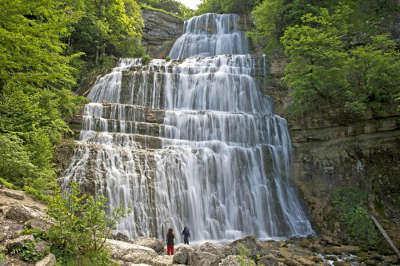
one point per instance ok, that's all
(186, 235)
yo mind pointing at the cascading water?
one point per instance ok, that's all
(190, 143)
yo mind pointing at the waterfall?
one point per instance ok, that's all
(209, 35)
(191, 142)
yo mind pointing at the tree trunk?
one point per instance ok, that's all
(383, 232)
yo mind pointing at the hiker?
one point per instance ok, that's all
(186, 235)
(170, 242)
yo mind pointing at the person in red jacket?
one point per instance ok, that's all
(170, 242)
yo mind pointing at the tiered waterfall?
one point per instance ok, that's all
(191, 142)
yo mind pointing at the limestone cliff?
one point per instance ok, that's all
(160, 32)
(328, 156)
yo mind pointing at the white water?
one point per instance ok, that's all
(209, 35)
(217, 161)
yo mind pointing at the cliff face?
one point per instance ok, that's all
(160, 32)
(364, 155)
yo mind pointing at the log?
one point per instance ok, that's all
(385, 235)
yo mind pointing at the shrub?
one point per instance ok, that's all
(146, 59)
(168, 58)
(28, 252)
(82, 225)
(355, 218)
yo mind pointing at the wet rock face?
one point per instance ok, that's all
(160, 32)
(364, 154)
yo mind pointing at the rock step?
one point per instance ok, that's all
(101, 140)
(130, 112)
(137, 141)
(122, 126)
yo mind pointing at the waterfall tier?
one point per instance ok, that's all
(190, 143)
(209, 35)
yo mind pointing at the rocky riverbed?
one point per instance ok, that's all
(19, 212)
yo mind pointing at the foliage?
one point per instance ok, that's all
(354, 216)
(2, 256)
(146, 59)
(28, 252)
(171, 7)
(226, 6)
(272, 17)
(167, 58)
(6, 184)
(105, 29)
(38, 234)
(244, 256)
(45, 46)
(36, 76)
(82, 224)
(14, 160)
(31, 44)
(325, 72)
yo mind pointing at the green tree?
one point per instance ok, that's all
(31, 44)
(273, 17)
(326, 71)
(82, 225)
(14, 160)
(372, 75)
(36, 76)
(111, 27)
(315, 53)
(226, 6)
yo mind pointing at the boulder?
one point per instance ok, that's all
(235, 260)
(21, 213)
(182, 254)
(42, 247)
(132, 253)
(341, 263)
(38, 223)
(18, 242)
(269, 260)
(18, 195)
(210, 248)
(163, 260)
(291, 262)
(327, 240)
(49, 260)
(14, 261)
(255, 246)
(152, 243)
(121, 237)
(305, 261)
(199, 258)
(10, 229)
(338, 250)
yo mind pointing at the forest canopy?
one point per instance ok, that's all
(45, 47)
(173, 7)
(342, 54)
